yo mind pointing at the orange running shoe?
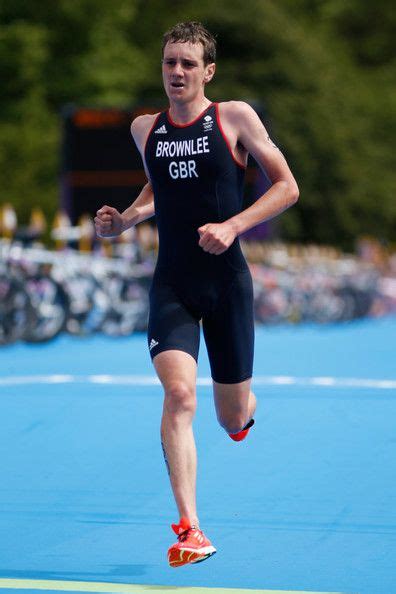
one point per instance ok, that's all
(192, 546)
(243, 432)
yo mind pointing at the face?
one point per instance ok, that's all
(183, 71)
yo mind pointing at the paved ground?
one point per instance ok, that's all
(307, 503)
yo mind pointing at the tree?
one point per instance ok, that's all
(322, 73)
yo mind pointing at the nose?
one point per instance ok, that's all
(177, 69)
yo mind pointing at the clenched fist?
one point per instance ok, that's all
(216, 238)
(108, 222)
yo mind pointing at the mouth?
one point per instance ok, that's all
(177, 85)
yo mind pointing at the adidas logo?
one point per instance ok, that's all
(153, 343)
(161, 130)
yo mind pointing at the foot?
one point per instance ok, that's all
(243, 433)
(192, 546)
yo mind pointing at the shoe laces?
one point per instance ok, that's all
(184, 535)
(183, 529)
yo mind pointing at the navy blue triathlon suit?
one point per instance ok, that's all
(196, 180)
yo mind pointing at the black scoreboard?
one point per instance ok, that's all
(101, 164)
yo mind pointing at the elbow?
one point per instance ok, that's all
(290, 191)
(293, 192)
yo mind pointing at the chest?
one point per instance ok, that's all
(194, 153)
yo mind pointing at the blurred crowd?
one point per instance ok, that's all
(64, 278)
(319, 283)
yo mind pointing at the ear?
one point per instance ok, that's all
(210, 70)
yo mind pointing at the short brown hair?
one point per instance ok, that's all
(193, 32)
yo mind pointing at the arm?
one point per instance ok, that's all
(141, 209)
(111, 223)
(108, 221)
(243, 127)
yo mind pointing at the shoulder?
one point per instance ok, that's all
(239, 119)
(240, 122)
(141, 126)
(235, 111)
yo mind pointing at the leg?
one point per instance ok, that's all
(235, 405)
(173, 338)
(177, 372)
(229, 336)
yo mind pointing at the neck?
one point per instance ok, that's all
(182, 113)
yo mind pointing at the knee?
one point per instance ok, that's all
(180, 399)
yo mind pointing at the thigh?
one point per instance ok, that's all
(176, 368)
(229, 333)
(171, 325)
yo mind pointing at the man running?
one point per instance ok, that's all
(195, 155)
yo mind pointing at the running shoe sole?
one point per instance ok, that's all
(178, 557)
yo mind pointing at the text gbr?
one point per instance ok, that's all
(182, 148)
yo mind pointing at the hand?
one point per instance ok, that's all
(108, 222)
(216, 238)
